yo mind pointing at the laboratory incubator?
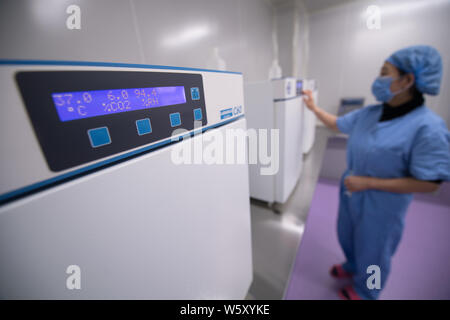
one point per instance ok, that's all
(88, 182)
(274, 105)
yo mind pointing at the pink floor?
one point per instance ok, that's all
(420, 268)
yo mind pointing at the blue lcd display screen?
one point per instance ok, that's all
(87, 104)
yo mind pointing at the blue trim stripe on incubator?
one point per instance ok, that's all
(98, 165)
(104, 64)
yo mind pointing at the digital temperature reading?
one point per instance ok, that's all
(86, 104)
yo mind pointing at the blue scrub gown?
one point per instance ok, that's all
(371, 222)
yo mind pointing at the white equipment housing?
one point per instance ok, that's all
(274, 105)
(138, 225)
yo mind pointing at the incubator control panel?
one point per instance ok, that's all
(62, 119)
(82, 116)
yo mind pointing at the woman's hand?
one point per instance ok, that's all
(357, 183)
(309, 100)
(328, 119)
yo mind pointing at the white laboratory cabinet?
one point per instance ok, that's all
(274, 105)
(89, 187)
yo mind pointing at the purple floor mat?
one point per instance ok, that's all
(420, 267)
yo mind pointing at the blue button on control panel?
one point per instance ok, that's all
(175, 119)
(143, 126)
(198, 114)
(99, 137)
(195, 94)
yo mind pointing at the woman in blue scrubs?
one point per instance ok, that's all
(395, 148)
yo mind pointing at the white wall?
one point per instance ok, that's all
(292, 37)
(332, 45)
(345, 56)
(165, 32)
(285, 16)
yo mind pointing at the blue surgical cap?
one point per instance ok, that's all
(424, 62)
